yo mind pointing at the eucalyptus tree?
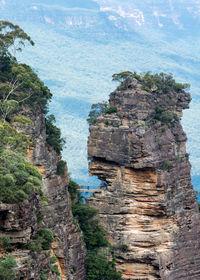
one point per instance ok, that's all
(12, 38)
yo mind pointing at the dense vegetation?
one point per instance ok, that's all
(99, 268)
(22, 93)
(98, 109)
(18, 178)
(20, 86)
(159, 82)
(61, 167)
(93, 233)
(97, 265)
(73, 190)
(54, 138)
(7, 268)
(12, 139)
(5, 243)
(165, 117)
(42, 240)
(12, 38)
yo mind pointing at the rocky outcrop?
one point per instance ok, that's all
(147, 206)
(20, 222)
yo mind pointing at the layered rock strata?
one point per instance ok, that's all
(19, 222)
(148, 206)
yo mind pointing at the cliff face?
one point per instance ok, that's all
(69, 247)
(20, 222)
(148, 207)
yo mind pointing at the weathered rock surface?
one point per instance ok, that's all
(148, 208)
(19, 222)
(69, 248)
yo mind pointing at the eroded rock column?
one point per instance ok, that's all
(148, 208)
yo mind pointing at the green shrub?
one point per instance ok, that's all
(29, 88)
(74, 269)
(61, 167)
(121, 77)
(6, 63)
(45, 237)
(40, 217)
(187, 155)
(53, 259)
(54, 269)
(42, 240)
(22, 119)
(11, 138)
(33, 246)
(54, 138)
(18, 178)
(110, 110)
(167, 165)
(7, 268)
(32, 89)
(177, 138)
(93, 233)
(83, 213)
(165, 116)
(163, 82)
(73, 190)
(43, 275)
(98, 109)
(98, 268)
(160, 146)
(5, 243)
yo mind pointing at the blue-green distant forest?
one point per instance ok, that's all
(80, 44)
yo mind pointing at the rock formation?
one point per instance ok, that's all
(148, 206)
(19, 222)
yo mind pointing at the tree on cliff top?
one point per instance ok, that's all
(161, 81)
(12, 38)
(18, 82)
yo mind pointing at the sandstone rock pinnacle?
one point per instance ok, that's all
(148, 207)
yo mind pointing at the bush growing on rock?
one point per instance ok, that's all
(7, 268)
(159, 81)
(165, 116)
(45, 237)
(98, 268)
(98, 109)
(121, 77)
(12, 139)
(18, 178)
(93, 233)
(5, 243)
(167, 165)
(54, 138)
(73, 190)
(61, 167)
(42, 240)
